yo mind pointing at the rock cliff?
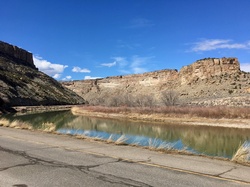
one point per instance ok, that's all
(206, 68)
(210, 81)
(16, 54)
(22, 84)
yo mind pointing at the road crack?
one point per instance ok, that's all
(226, 171)
(82, 168)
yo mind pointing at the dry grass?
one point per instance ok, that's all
(4, 122)
(215, 112)
(152, 143)
(121, 140)
(20, 125)
(15, 124)
(243, 153)
(156, 144)
(48, 127)
(110, 139)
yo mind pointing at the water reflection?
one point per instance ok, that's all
(221, 142)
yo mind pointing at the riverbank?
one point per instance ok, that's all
(29, 109)
(43, 108)
(52, 127)
(175, 115)
(230, 117)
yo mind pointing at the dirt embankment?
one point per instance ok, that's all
(161, 118)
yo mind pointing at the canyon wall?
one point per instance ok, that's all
(22, 84)
(17, 54)
(205, 68)
(204, 82)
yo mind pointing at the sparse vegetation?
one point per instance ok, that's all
(48, 127)
(215, 112)
(4, 122)
(243, 153)
(170, 98)
(15, 124)
(128, 100)
(121, 140)
(167, 98)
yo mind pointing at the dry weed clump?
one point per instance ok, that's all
(243, 153)
(20, 125)
(156, 144)
(121, 140)
(110, 139)
(4, 122)
(48, 127)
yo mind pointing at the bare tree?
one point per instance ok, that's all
(138, 101)
(169, 98)
(143, 101)
(149, 101)
(114, 101)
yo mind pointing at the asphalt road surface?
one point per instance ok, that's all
(39, 159)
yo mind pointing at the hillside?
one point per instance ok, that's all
(22, 84)
(210, 81)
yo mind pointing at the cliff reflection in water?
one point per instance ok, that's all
(212, 141)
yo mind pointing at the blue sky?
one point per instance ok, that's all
(81, 39)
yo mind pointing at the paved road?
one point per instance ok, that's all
(39, 159)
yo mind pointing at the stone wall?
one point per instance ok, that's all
(17, 54)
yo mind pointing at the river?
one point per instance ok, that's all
(210, 141)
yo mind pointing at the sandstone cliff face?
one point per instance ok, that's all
(17, 54)
(22, 84)
(206, 68)
(210, 81)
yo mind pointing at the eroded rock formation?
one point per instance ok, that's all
(210, 81)
(22, 84)
(16, 54)
(205, 68)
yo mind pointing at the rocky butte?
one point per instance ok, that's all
(16, 54)
(209, 81)
(22, 84)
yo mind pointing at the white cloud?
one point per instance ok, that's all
(213, 44)
(89, 77)
(54, 70)
(109, 64)
(245, 67)
(67, 78)
(137, 70)
(80, 70)
(118, 58)
(121, 61)
(135, 64)
(138, 64)
(57, 76)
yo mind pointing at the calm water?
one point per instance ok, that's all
(221, 142)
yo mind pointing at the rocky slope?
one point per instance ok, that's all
(22, 84)
(210, 81)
